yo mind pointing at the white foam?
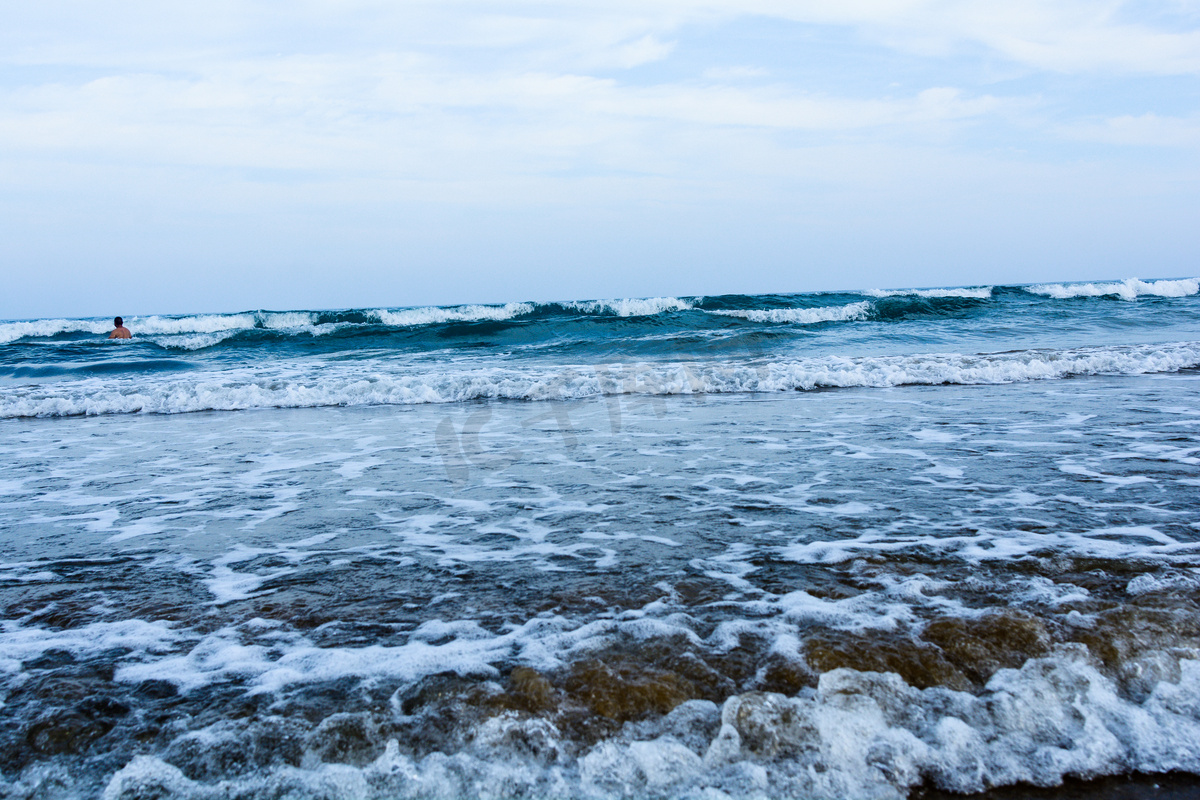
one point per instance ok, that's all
(196, 331)
(929, 435)
(432, 315)
(1118, 480)
(11, 331)
(977, 292)
(19, 643)
(353, 470)
(1129, 289)
(194, 341)
(631, 307)
(146, 776)
(877, 736)
(857, 734)
(227, 585)
(293, 660)
(20, 573)
(198, 323)
(461, 646)
(285, 320)
(137, 528)
(801, 316)
(157, 326)
(1183, 581)
(1119, 543)
(315, 384)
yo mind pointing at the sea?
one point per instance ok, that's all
(860, 545)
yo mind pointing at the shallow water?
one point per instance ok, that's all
(550, 603)
(738, 591)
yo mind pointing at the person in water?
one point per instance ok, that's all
(119, 330)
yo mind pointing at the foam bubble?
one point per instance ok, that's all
(284, 320)
(801, 316)
(978, 292)
(196, 341)
(19, 643)
(433, 315)
(196, 331)
(12, 331)
(198, 323)
(1119, 543)
(1170, 582)
(165, 326)
(21, 573)
(631, 307)
(1129, 289)
(856, 734)
(294, 660)
(325, 384)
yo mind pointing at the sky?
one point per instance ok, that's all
(220, 156)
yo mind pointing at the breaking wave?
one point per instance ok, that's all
(165, 325)
(433, 315)
(359, 385)
(221, 326)
(645, 307)
(978, 292)
(1129, 289)
(857, 734)
(801, 316)
(562, 319)
(12, 331)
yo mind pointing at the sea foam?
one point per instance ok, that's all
(1129, 289)
(801, 316)
(156, 325)
(324, 384)
(857, 734)
(630, 307)
(12, 331)
(977, 292)
(432, 315)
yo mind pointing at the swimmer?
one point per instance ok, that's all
(119, 330)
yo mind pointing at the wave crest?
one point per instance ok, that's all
(978, 292)
(326, 384)
(432, 315)
(1129, 289)
(12, 331)
(801, 316)
(631, 307)
(157, 325)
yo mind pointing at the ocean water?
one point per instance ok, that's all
(872, 544)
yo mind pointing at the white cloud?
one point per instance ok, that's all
(725, 74)
(1061, 35)
(403, 116)
(407, 125)
(642, 51)
(1074, 36)
(1149, 130)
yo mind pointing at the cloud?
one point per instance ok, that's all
(1074, 36)
(468, 86)
(396, 116)
(642, 51)
(1071, 36)
(726, 74)
(214, 130)
(1145, 130)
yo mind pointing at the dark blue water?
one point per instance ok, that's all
(537, 350)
